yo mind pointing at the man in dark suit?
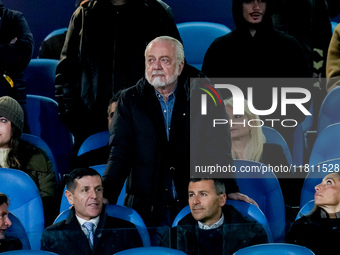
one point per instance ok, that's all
(88, 229)
(213, 227)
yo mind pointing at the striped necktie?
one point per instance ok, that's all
(89, 226)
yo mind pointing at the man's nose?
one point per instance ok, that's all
(256, 5)
(8, 222)
(196, 200)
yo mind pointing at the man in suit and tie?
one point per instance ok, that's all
(88, 229)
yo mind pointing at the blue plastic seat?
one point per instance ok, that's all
(248, 210)
(315, 176)
(64, 204)
(326, 145)
(40, 143)
(197, 36)
(275, 248)
(154, 250)
(44, 122)
(124, 213)
(265, 189)
(25, 203)
(300, 146)
(273, 136)
(306, 209)
(17, 230)
(94, 141)
(334, 24)
(56, 32)
(329, 111)
(39, 77)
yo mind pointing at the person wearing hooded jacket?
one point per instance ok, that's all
(102, 54)
(254, 49)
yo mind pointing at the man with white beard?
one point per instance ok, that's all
(150, 139)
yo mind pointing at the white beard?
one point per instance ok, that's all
(157, 83)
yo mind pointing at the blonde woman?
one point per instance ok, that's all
(248, 142)
(320, 229)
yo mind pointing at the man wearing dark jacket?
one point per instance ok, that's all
(16, 47)
(88, 229)
(256, 50)
(150, 137)
(213, 227)
(102, 54)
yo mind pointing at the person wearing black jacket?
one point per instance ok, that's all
(108, 235)
(256, 50)
(16, 47)
(213, 227)
(319, 230)
(152, 148)
(102, 54)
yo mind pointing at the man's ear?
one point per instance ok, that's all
(69, 196)
(223, 199)
(180, 68)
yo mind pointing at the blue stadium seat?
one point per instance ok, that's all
(248, 210)
(334, 24)
(40, 143)
(124, 213)
(56, 32)
(275, 248)
(39, 77)
(94, 141)
(197, 36)
(154, 250)
(315, 176)
(18, 230)
(301, 146)
(305, 209)
(25, 202)
(329, 113)
(326, 145)
(273, 136)
(265, 189)
(43, 121)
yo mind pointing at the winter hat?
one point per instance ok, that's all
(11, 110)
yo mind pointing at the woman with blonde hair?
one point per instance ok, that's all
(248, 142)
(320, 229)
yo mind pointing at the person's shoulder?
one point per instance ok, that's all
(187, 220)
(158, 4)
(285, 38)
(232, 215)
(39, 161)
(134, 92)
(269, 147)
(113, 222)
(56, 226)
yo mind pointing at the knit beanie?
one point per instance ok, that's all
(11, 110)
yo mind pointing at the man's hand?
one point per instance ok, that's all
(241, 197)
